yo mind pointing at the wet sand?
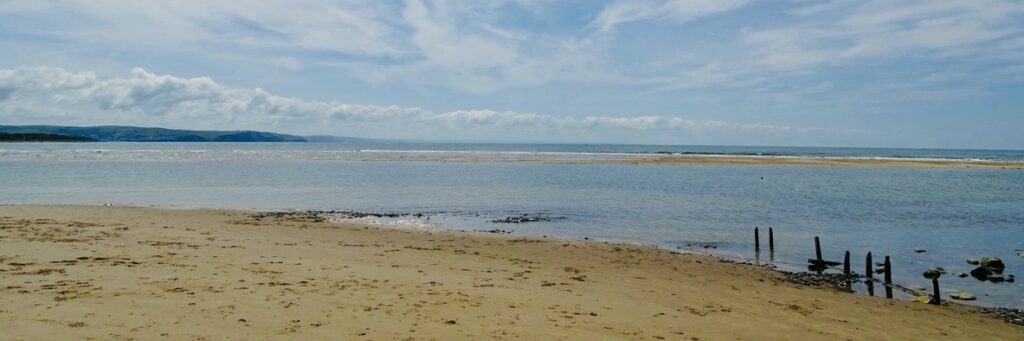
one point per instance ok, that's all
(79, 272)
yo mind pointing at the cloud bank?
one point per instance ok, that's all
(143, 97)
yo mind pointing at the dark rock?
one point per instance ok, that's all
(820, 262)
(525, 218)
(972, 261)
(981, 273)
(962, 275)
(920, 250)
(932, 273)
(993, 263)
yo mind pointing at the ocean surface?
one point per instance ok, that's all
(951, 213)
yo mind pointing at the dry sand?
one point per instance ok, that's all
(104, 273)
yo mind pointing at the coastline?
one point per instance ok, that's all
(108, 272)
(804, 161)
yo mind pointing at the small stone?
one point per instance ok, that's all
(962, 275)
(973, 261)
(920, 250)
(932, 273)
(963, 296)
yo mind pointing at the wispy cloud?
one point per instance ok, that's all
(621, 12)
(563, 66)
(146, 97)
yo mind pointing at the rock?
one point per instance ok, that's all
(923, 298)
(920, 250)
(996, 278)
(963, 296)
(973, 261)
(821, 262)
(932, 273)
(981, 273)
(993, 263)
(1020, 253)
(1010, 279)
(962, 275)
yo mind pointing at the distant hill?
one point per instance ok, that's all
(33, 137)
(141, 134)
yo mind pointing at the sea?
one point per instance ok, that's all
(920, 217)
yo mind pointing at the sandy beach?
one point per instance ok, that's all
(91, 272)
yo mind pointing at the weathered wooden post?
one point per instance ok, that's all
(757, 239)
(934, 274)
(871, 276)
(867, 267)
(888, 278)
(817, 248)
(846, 263)
(771, 239)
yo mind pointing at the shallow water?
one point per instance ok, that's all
(953, 213)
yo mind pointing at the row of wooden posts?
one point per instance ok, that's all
(869, 274)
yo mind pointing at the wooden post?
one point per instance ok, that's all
(935, 285)
(867, 267)
(846, 263)
(888, 278)
(771, 239)
(757, 239)
(817, 248)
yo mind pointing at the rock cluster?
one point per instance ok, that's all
(821, 279)
(1015, 316)
(525, 218)
(989, 269)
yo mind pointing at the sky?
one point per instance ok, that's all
(892, 73)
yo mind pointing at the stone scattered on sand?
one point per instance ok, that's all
(972, 261)
(1009, 315)
(963, 296)
(1020, 253)
(962, 275)
(823, 279)
(920, 250)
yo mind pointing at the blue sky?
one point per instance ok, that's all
(900, 73)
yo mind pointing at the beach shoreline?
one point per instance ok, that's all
(120, 272)
(753, 160)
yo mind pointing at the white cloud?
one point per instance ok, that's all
(621, 12)
(840, 32)
(145, 97)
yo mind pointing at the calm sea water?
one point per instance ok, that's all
(953, 213)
